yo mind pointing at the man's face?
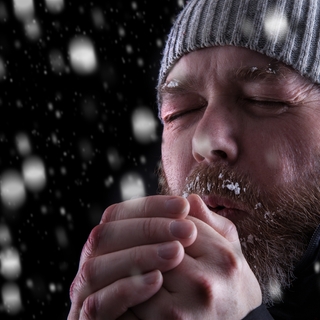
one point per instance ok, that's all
(242, 131)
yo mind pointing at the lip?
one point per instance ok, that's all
(225, 207)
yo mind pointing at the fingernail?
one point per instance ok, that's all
(151, 277)
(168, 250)
(182, 229)
(176, 205)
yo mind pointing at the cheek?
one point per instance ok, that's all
(177, 159)
(281, 157)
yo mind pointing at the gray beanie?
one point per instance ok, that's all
(287, 30)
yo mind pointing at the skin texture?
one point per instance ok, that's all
(166, 257)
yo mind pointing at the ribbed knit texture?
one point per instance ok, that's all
(287, 30)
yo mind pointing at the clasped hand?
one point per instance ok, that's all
(163, 257)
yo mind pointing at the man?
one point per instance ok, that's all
(235, 234)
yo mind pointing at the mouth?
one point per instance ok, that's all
(226, 208)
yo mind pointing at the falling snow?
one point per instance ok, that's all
(79, 132)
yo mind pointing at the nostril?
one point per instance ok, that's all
(220, 154)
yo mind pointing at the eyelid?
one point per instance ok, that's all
(175, 115)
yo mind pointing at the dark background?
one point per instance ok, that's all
(79, 126)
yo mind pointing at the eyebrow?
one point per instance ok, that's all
(274, 71)
(179, 87)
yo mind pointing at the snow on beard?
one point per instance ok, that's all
(275, 232)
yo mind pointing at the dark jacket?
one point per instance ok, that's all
(302, 300)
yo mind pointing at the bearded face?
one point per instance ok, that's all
(246, 140)
(274, 227)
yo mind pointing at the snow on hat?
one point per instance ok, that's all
(287, 30)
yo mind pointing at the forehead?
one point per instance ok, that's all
(227, 63)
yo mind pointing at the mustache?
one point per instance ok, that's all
(223, 182)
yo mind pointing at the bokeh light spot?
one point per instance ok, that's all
(33, 29)
(12, 189)
(114, 158)
(55, 6)
(23, 9)
(276, 25)
(132, 186)
(82, 55)
(10, 263)
(34, 174)
(144, 125)
(11, 298)
(56, 61)
(5, 236)
(23, 144)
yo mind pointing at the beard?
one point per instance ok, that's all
(279, 222)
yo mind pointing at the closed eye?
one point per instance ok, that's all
(174, 116)
(264, 107)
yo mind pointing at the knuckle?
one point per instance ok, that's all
(230, 231)
(90, 308)
(204, 290)
(147, 205)
(82, 279)
(91, 244)
(72, 291)
(109, 214)
(148, 229)
(136, 256)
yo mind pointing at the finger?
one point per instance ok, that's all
(153, 206)
(102, 271)
(220, 224)
(114, 301)
(124, 234)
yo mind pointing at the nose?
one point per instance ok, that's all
(216, 136)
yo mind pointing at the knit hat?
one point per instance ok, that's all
(287, 30)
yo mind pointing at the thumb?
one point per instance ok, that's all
(222, 225)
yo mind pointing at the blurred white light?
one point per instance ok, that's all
(247, 27)
(82, 55)
(2, 69)
(109, 181)
(129, 49)
(24, 9)
(317, 267)
(11, 298)
(23, 144)
(33, 30)
(3, 12)
(55, 6)
(144, 125)
(98, 18)
(122, 31)
(12, 190)
(86, 149)
(132, 186)
(56, 61)
(276, 25)
(134, 5)
(5, 235)
(62, 237)
(34, 173)
(52, 287)
(114, 158)
(10, 266)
